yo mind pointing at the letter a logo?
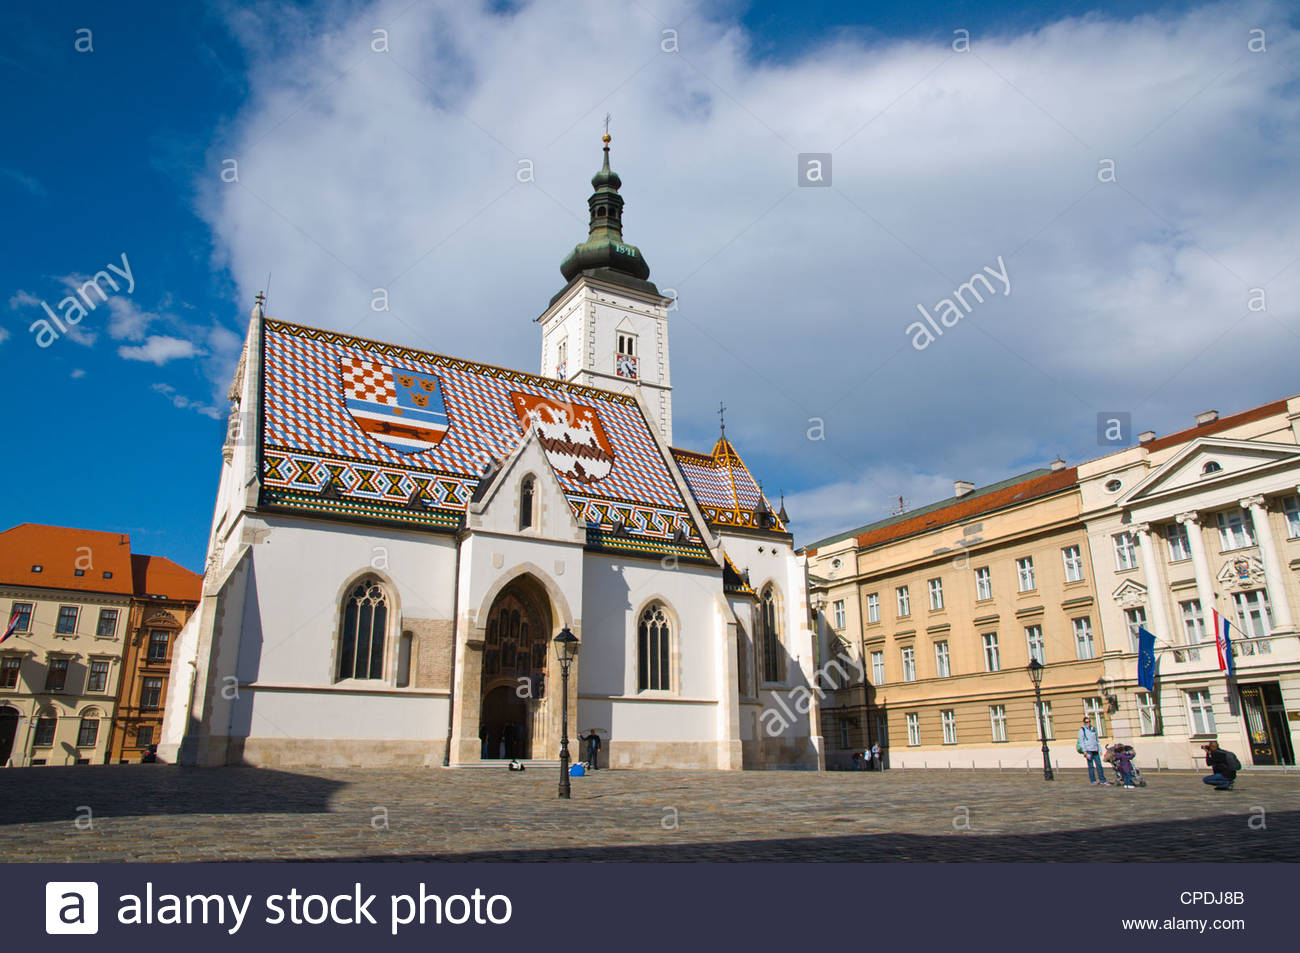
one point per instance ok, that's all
(71, 906)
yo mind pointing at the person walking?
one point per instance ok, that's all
(1090, 747)
(1223, 766)
(875, 756)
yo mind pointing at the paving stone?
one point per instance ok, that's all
(162, 812)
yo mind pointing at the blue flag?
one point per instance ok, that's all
(1146, 659)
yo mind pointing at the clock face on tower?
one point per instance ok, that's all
(625, 366)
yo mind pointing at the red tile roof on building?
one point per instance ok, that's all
(1218, 426)
(158, 577)
(965, 508)
(103, 559)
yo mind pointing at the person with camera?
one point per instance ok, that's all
(1223, 766)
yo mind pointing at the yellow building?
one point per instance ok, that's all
(66, 593)
(942, 609)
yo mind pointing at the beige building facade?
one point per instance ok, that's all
(942, 609)
(1180, 526)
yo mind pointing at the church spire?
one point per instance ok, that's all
(604, 253)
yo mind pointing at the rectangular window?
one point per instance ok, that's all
(97, 681)
(158, 639)
(151, 693)
(1125, 551)
(1083, 647)
(1135, 619)
(1180, 546)
(1291, 507)
(839, 614)
(1193, 621)
(107, 625)
(904, 601)
(992, 658)
(43, 736)
(843, 727)
(909, 664)
(878, 668)
(1200, 712)
(1148, 717)
(913, 729)
(144, 736)
(10, 666)
(56, 675)
(1236, 529)
(23, 610)
(942, 668)
(873, 607)
(948, 717)
(983, 584)
(998, 721)
(1072, 556)
(87, 732)
(1043, 721)
(1025, 573)
(1034, 640)
(936, 594)
(1095, 709)
(1254, 614)
(67, 623)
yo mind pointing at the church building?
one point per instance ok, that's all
(399, 536)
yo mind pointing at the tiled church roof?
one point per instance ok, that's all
(727, 492)
(435, 425)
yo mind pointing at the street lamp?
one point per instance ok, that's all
(1035, 669)
(566, 643)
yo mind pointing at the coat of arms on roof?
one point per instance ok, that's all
(398, 407)
(570, 434)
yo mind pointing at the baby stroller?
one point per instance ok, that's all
(1109, 758)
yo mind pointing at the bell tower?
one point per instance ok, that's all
(608, 326)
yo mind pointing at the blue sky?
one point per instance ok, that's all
(793, 304)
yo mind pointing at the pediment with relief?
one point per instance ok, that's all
(1129, 594)
(1241, 572)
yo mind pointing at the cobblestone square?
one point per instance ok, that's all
(167, 813)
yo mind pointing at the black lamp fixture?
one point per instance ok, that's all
(566, 644)
(1035, 670)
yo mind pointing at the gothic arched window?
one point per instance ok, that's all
(769, 621)
(364, 630)
(654, 637)
(526, 502)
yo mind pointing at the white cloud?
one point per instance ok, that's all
(23, 299)
(4, 335)
(127, 320)
(360, 170)
(77, 373)
(28, 182)
(181, 402)
(159, 349)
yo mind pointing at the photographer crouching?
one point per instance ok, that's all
(1223, 766)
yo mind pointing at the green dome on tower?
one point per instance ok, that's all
(604, 254)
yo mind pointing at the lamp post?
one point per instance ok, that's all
(1035, 669)
(565, 644)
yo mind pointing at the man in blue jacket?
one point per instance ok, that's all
(1091, 748)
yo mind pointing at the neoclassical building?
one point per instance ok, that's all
(1204, 519)
(400, 535)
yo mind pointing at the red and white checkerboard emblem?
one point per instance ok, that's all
(367, 380)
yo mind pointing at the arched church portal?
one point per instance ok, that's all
(514, 668)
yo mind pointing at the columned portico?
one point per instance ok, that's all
(1273, 578)
(1155, 585)
(1200, 565)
